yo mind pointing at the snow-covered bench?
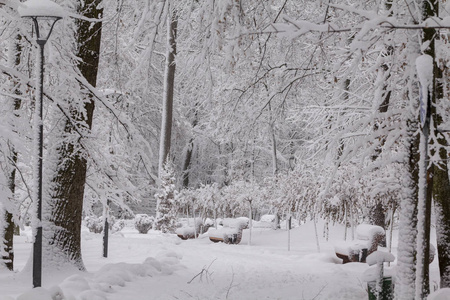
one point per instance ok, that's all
(191, 232)
(367, 239)
(266, 221)
(230, 233)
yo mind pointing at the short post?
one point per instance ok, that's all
(106, 229)
(379, 282)
(378, 258)
(195, 223)
(250, 224)
(289, 224)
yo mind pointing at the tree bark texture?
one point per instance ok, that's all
(429, 9)
(405, 287)
(68, 185)
(188, 154)
(9, 225)
(169, 82)
(377, 212)
(441, 188)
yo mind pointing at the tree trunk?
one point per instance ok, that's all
(67, 186)
(274, 143)
(9, 226)
(406, 255)
(169, 82)
(187, 163)
(441, 195)
(428, 97)
(441, 190)
(377, 212)
(188, 154)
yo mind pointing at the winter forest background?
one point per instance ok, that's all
(315, 109)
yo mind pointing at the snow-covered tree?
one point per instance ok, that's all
(166, 208)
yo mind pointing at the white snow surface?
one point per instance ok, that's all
(40, 8)
(442, 294)
(379, 257)
(162, 266)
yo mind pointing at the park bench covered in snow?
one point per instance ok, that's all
(230, 233)
(191, 232)
(367, 239)
(266, 221)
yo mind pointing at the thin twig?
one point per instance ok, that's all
(203, 271)
(231, 284)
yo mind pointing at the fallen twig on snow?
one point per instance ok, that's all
(204, 271)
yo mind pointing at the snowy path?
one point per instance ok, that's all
(264, 270)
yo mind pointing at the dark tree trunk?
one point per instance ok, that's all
(187, 163)
(441, 191)
(8, 259)
(68, 185)
(189, 152)
(377, 212)
(429, 9)
(441, 195)
(9, 228)
(169, 83)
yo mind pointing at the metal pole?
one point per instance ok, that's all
(106, 230)
(105, 238)
(37, 246)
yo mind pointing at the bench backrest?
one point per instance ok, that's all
(368, 232)
(240, 223)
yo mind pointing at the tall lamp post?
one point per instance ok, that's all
(49, 13)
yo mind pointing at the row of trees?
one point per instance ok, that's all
(301, 106)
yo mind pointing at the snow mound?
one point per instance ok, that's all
(36, 294)
(442, 294)
(94, 286)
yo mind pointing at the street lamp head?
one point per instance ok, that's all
(38, 10)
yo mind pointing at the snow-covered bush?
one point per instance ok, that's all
(118, 225)
(143, 223)
(95, 224)
(267, 221)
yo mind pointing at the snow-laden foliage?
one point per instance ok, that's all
(95, 224)
(304, 108)
(143, 223)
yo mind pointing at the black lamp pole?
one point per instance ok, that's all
(106, 230)
(37, 246)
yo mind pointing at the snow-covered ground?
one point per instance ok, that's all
(162, 266)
